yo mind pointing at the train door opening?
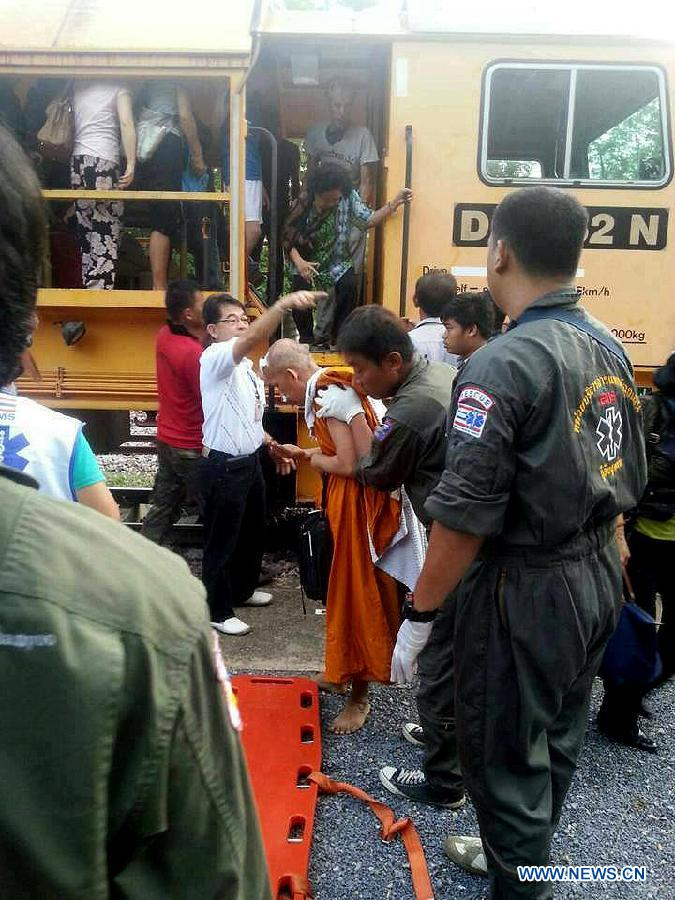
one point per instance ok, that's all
(287, 93)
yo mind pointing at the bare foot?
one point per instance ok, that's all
(330, 687)
(352, 717)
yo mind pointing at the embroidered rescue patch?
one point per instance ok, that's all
(477, 396)
(470, 420)
(383, 430)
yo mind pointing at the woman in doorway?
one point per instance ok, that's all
(102, 115)
(166, 104)
(316, 240)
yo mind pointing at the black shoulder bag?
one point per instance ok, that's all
(315, 552)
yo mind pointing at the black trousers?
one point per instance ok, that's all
(175, 485)
(650, 571)
(436, 701)
(331, 313)
(233, 508)
(529, 637)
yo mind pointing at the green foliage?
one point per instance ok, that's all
(631, 150)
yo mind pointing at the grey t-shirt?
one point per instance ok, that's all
(355, 148)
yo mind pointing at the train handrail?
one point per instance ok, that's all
(188, 196)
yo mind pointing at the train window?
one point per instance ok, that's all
(514, 168)
(576, 124)
(618, 127)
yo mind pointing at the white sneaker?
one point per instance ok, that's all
(232, 626)
(259, 598)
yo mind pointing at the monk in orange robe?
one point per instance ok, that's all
(363, 608)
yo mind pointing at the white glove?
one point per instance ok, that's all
(339, 403)
(410, 641)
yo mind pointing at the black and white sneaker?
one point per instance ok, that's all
(412, 784)
(413, 733)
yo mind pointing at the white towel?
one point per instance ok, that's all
(404, 557)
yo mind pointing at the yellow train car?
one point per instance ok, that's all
(472, 116)
(465, 116)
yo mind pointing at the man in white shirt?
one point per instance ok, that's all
(340, 140)
(432, 294)
(352, 145)
(232, 485)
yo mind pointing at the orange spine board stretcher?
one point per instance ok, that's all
(282, 741)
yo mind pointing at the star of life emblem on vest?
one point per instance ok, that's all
(610, 433)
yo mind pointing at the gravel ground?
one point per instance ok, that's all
(620, 811)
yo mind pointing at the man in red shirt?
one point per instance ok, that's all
(179, 421)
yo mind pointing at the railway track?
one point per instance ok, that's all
(133, 502)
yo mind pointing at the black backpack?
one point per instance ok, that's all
(658, 502)
(315, 552)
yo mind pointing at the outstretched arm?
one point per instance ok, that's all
(267, 324)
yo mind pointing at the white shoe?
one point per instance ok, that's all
(231, 626)
(259, 598)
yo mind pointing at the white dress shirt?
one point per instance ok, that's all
(427, 338)
(233, 400)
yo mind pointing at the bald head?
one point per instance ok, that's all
(289, 365)
(288, 354)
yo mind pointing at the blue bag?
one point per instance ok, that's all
(192, 183)
(631, 656)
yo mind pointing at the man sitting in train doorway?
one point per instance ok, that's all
(339, 140)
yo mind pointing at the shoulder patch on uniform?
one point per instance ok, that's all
(477, 395)
(470, 420)
(383, 430)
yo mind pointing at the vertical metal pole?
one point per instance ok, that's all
(183, 242)
(273, 237)
(237, 127)
(406, 221)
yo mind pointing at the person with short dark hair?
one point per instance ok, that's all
(232, 489)
(179, 420)
(649, 558)
(317, 240)
(122, 773)
(407, 450)
(545, 452)
(468, 322)
(433, 292)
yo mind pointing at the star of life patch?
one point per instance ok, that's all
(383, 430)
(223, 678)
(469, 420)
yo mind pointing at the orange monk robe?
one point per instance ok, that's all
(363, 608)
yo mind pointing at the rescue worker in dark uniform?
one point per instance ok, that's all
(122, 773)
(545, 452)
(408, 449)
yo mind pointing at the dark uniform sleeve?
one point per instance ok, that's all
(207, 841)
(473, 493)
(393, 456)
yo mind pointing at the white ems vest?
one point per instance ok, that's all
(38, 441)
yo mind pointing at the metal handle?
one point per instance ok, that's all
(406, 221)
(272, 238)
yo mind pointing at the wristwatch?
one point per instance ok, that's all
(416, 615)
